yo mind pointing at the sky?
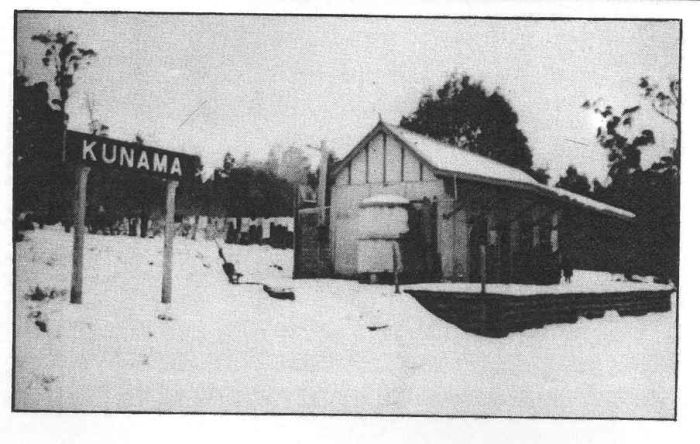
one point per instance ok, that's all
(277, 81)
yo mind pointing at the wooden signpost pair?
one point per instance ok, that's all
(86, 151)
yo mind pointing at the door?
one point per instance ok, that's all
(419, 256)
(477, 237)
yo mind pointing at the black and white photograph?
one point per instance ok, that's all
(346, 214)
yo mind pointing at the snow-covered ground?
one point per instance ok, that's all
(583, 281)
(234, 349)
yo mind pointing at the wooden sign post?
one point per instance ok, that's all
(168, 234)
(86, 151)
(79, 204)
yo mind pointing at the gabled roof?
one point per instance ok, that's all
(449, 161)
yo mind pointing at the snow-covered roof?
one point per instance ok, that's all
(448, 160)
(566, 195)
(384, 200)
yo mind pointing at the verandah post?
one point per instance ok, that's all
(395, 257)
(79, 204)
(168, 234)
(482, 253)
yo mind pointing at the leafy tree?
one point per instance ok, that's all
(45, 173)
(294, 166)
(624, 151)
(666, 103)
(598, 187)
(35, 121)
(574, 182)
(651, 244)
(64, 58)
(272, 163)
(229, 162)
(247, 191)
(462, 113)
(38, 176)
(541, 175)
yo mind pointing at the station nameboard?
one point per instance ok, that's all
(104, 152)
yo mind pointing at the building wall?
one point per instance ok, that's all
(514, 222)
(352, 185)
(505, 213)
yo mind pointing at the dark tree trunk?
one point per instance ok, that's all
(144, 224)
(196, 226)
(133, 223)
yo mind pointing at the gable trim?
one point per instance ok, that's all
(378, 129)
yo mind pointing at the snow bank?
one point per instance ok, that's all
(340, 347)
(583, 281)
